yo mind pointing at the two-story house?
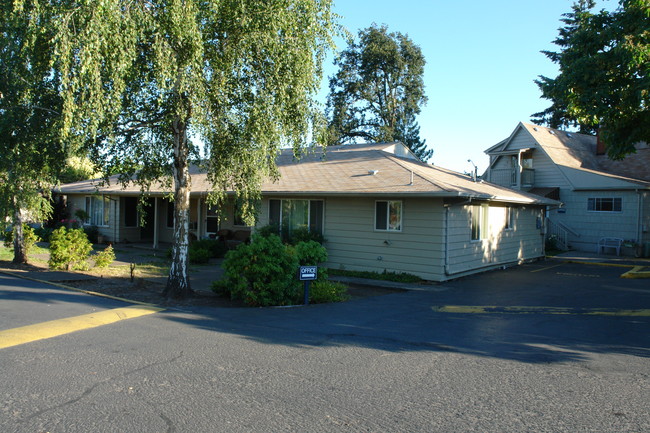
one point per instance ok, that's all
(601, 198)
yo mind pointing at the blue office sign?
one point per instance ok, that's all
(308, 273)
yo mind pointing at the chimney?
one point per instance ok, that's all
(600, 146)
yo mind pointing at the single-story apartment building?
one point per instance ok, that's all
(377, 205)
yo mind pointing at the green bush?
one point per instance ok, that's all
(199, 256)
(297, 235)
(29, 235)
(43, 233)
(311, 253)
(262, 273)
(92, 232)
(216, 248)
(104, 258)
(327, 291)
(69, 249)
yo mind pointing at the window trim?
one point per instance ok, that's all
(509, 224)
(105, 213)
(309, 215)
(599, 200)
(388, 207)
(483, 211)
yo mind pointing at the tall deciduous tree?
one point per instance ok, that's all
(604, 79)
(378, 91)
(31, 155)
(143, 82)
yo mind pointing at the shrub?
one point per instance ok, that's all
(92, 232)
(43, 233)
(262, 273)
(69, 249)
(297, 235)
(327, 291)
(217, 249)
(29, 235)
(401, 277)
(312, 253)
(104, 258)
(199, 256)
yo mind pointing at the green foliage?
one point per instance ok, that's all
(265, 272)
(297, 235)
(262, 273)
(104, 258)
(43, 233)
(199, 256)
(138, 80)
(604, 78)
(92, 232)
(321, 292)
(69, 249)
(377, 91)
(398, 277)
(81, 215)
(30, 237)
(216, 249)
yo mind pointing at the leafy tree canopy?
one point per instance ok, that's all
(30, 118)
(140, 79)
(604, 79)
(377, 91)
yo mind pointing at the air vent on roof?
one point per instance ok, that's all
(568, 134)
(550, 131)
(373, 172)
(535, 128)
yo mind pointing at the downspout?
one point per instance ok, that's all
(446, 240)
(639, 213)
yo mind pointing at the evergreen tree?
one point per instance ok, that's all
(604, 79)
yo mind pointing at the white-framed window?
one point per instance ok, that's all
(509, 223)
(604, 204)
(296, 214)
(478, 222)
(98, 208)
(388, 215)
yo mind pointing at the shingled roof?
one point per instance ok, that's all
(578, 151)
(379, 169)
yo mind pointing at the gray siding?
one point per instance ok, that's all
(499, 246)
(590, 226)
(353, 244)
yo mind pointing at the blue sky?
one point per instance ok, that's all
(482, 58)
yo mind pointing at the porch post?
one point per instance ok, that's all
(199, 218)
(155, 222)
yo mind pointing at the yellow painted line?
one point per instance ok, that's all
(544, 269)
(55, 328)
(478, 309)
(611, 265)
(637, 272)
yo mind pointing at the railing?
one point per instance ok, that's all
(559, 233)
(504, 177)
(528, 177)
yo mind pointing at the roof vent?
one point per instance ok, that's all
(535, 128)
(373, 172)
(550, 131)
(568, 134)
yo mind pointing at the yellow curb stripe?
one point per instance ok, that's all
(478, 309)
(611, 265)
(636, 272)
(55, 328)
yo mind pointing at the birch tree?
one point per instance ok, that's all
(144, 83)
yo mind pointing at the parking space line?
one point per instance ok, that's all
(54, 328)
(548, 267)
(491, 309)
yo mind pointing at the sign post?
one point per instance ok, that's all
(307, 274)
